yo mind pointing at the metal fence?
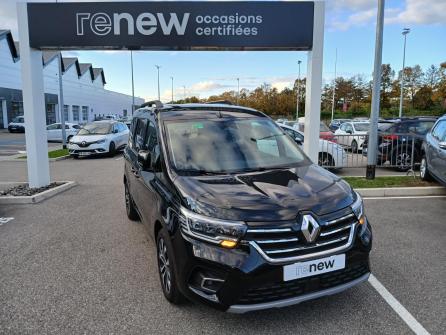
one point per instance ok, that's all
(398, 151)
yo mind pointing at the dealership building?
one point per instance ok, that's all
(84, 95)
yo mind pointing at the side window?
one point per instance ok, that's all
(139, 133)
(151, 138)
(342, 127)
(439, 132)
(424, 127)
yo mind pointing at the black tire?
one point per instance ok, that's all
(130, 208)
(112, 149)
(424, 170)
(326, 160)
(166, 268)
(354, 146)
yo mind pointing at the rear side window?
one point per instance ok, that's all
(139, 133)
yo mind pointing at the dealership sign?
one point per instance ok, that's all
(172, 25)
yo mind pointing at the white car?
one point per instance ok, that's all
(17, 125)
(352, 134)
(54, 131)
(99, 137)
(331, 155)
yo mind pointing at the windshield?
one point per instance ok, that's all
(18, 119)
(97, 128)
(362, 126)
(324, 128)
(230, 145)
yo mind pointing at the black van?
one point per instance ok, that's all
(242, 219)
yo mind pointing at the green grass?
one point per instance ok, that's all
(53, 154)
(394, 181)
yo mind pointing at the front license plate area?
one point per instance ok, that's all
(314, 267)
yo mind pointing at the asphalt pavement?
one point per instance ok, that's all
(14, 143)
(75, 264)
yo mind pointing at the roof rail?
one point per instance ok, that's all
(221, 102)
(157, 103)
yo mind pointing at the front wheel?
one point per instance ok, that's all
(112, 149)
(424, 171)
(166, 269)
(130, 208)
(354, 146)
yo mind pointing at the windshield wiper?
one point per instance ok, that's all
(266, 137)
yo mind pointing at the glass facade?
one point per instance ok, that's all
(65, 113)
(75, 110)
(85, 113)
(50, 113)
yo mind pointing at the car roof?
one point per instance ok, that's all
(197, 110)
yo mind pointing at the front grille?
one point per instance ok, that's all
(294, 288)
(289, 244)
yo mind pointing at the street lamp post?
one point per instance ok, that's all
(298, 92)
(405, 32)
(238, 90)
(133, 84)
(171, 78)
(334, 86)
(158, 68)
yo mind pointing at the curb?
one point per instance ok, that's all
(402, 191)
(10, 200)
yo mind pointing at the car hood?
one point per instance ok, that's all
(88, 138)
(273, 195)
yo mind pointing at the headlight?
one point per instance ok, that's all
(100, 141)
(225, 233)
(358, 209)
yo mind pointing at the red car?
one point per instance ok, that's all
(324, 132)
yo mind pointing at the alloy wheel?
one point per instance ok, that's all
(423, 168)
(164, 265)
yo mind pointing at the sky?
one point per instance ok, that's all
(349, 28)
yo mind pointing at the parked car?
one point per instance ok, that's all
(433, 153)
(324, 132)
(336, 123)
(99, 137)
(395, 140)
(330, 154)
(353, 134)
(290, 123)
(17, 125)
(127, 120)
(54, 131)
(242, 219)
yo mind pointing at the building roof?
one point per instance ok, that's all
(49, 56)
(99, 71)
(12, 47)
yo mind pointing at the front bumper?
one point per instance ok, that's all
(247, 282)
(16, 129)
(91, 149)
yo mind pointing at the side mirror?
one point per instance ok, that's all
(115, 131)
(144, 159)
(348, 131)
(442, 145)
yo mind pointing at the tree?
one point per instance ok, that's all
(387, 75)
(413, 78)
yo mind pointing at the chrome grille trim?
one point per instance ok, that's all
(282, 240)
(273, 230)
(282, 251)
(334, 231)
(281, 260)
(340, 219)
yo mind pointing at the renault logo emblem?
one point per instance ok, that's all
(84, 143)
(310, 228)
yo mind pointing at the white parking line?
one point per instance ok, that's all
(5, 220)
(399, 309)
(405, 197)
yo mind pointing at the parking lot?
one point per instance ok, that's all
(76, 264)
(14, 143)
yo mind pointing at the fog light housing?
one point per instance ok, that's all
(206, 284)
